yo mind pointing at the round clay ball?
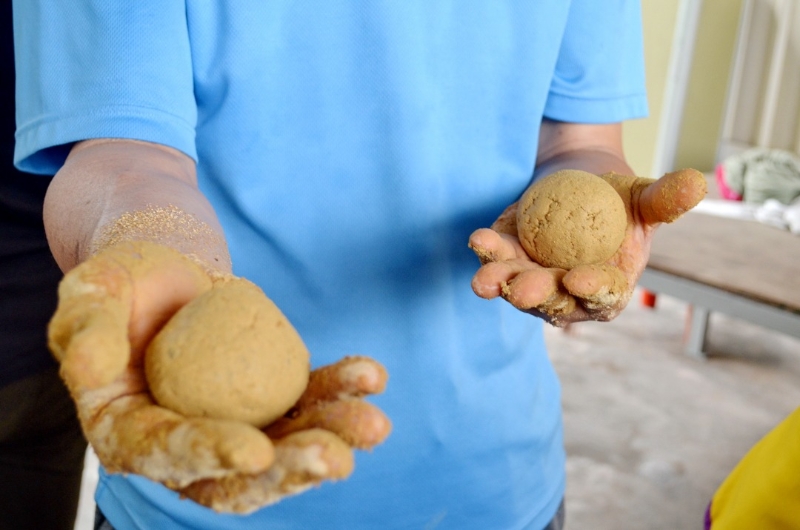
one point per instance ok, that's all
(571, 218)
(228, 354)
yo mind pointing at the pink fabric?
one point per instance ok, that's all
(724, 190)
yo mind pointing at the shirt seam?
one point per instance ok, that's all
(594, 99)
(131, 111)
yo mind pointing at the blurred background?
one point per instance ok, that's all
(662, 403)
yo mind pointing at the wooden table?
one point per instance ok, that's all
(744, 269)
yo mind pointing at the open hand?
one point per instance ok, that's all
(586, 292)
(110, 307)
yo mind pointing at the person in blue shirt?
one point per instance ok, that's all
(344, 157)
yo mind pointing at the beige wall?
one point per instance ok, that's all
(639, 136)
(707, 87)
(711, 68)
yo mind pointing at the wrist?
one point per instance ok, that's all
(109, 191)
(170, 226)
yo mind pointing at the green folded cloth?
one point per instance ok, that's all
(760, 174)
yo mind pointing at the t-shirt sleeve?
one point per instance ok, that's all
(100, 69)
(599, 74)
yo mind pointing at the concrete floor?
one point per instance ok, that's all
(650, 432)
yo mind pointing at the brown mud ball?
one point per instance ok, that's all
(228, 354)
(571, 218)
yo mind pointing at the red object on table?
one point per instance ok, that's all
(648, 298)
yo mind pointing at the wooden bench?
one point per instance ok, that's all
(744, 269)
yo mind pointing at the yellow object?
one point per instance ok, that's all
(763, 491)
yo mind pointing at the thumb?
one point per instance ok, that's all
(669, 197)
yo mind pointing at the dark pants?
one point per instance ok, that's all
(41, 454)
(558, 520)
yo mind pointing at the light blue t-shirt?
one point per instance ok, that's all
(350, 148)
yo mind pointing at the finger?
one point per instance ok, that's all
(302, 460)
(603, 290)
(88, 333)
(491, 246)
(351, 377)
(360, 424)
(540, 293)
(132, 435)
(669, 197)
(489, 279)
(532, 288)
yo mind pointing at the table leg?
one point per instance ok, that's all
(695, 337)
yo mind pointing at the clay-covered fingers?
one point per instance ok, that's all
(302, 460)
(603, 290)
(350, 377)
(332, 401)
(501, 255)
(672, 195)
(360, 424)
(88, 333)
(596, 292)
(511, 274)
(133, 435)
(115, 301)
(490, 245)
(313, 442)
(540, 289)
(490, 278)
(89, 337)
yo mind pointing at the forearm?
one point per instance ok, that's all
(596, 149)
(114, 190)
(596, 161)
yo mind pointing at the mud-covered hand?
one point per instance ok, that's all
(586, 292)
(314, 441)
(110, 307)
